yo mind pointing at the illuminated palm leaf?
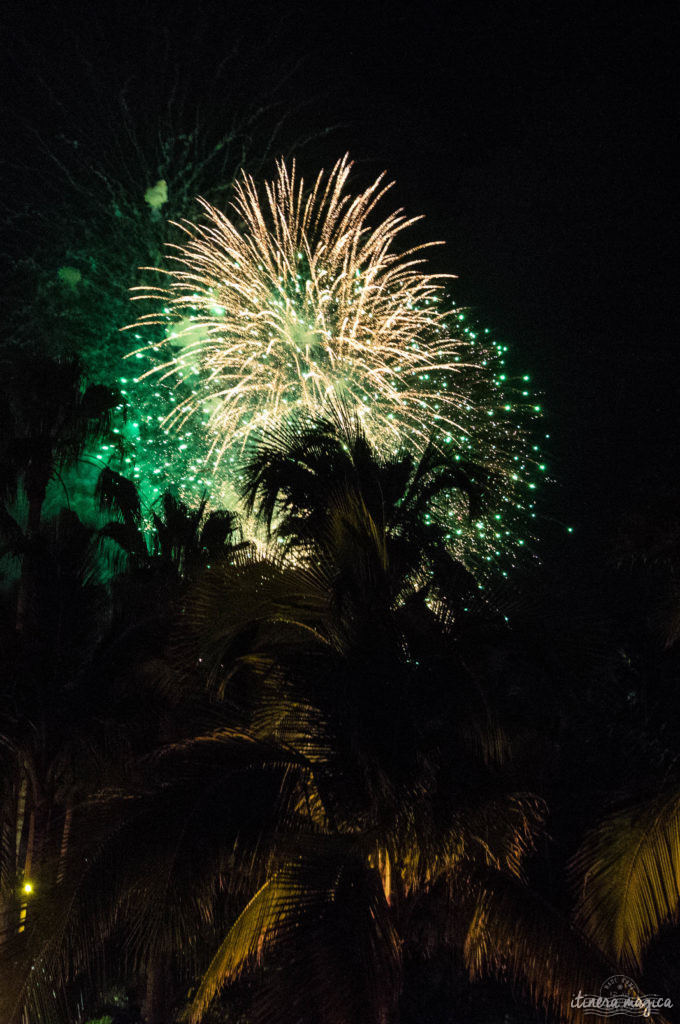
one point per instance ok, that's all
(629, 873)
(516, 936)
(327, 911)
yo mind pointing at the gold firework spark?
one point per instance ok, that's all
(295, 303)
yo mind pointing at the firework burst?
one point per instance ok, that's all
(296, 304)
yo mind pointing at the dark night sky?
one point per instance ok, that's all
(536, 137)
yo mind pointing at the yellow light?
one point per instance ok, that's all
(28, 888)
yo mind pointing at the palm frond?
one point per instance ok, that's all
(243, 610)
(128, 537)
(116, 494)
(628, 872)
(326, 923)
(516, 936)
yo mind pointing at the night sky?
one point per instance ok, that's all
(537, 139)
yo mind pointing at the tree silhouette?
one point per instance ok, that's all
(50, 417)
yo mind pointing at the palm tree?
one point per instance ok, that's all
(344, 799)
(178, 542)
(47, 708)
(627, 869)
(355, 660)
(301, 474)
(86, 706)
(163, 551)
(50, 417)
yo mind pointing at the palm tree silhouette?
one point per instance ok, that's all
(50, 418)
